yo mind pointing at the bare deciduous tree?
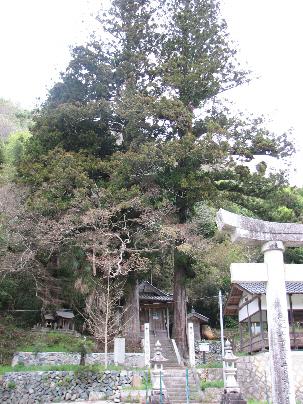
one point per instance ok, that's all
(102, 313)
(21, 232)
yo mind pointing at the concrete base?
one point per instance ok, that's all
(232, 398)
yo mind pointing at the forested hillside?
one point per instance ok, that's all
(128, 160)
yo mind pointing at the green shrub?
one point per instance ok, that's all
(11, 385)
(213, 383)
(57, 342)
(10, 338)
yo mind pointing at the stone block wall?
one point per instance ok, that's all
(212, 395)
(41, 387)
(69, 358)
(254, 376)
(214, 354)
(45, 358)
(131, 359)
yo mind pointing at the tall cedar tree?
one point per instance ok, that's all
(164, 61)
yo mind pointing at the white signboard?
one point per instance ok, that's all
(203, 346)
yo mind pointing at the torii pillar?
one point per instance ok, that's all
(273, 237)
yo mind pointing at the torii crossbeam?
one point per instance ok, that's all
(273, 237)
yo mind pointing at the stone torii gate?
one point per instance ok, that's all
(273, 237)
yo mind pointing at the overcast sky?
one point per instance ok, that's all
(36, 36)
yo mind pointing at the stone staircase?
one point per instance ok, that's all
(175, 383)
(174, 373)
(167, 348)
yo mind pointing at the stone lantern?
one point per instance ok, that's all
(232, 392)
(230, 370)
(158, 391)
(158, 357)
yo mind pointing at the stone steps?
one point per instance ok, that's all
(175, 375)
(166, 348)
(179, 387)
(175, 384)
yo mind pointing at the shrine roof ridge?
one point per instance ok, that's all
(255, 231)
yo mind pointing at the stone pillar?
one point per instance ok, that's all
(278, 327)
(119, 351)
(146, 345)
(191, 345)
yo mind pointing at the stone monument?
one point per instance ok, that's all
(146, 343)
(191, 345)
(119, 351)
(273, 238)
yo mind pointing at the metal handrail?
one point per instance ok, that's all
(146, 379)
(187, 386)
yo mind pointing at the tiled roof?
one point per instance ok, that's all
(65, 314)
(147, 291)
(257, 288)
(147, 287)
(294, 287)
(254, 288)
(148, 296)
(199, 316)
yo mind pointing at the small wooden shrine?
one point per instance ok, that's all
(198, 321)
(155, 307)
(62, 319)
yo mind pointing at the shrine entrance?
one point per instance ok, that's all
(157, 321)
(155, 308)
(155, 316)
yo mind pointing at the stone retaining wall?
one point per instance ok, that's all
(41, 387)
(254, 376)
(214, 354)
(69, 358)
(212, 395)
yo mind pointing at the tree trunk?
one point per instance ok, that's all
(106, 326)
(180, 310)
(180, 276)
(82, 359)
(131, 316)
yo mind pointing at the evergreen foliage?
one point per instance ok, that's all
(15, 146)
(132, 154)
